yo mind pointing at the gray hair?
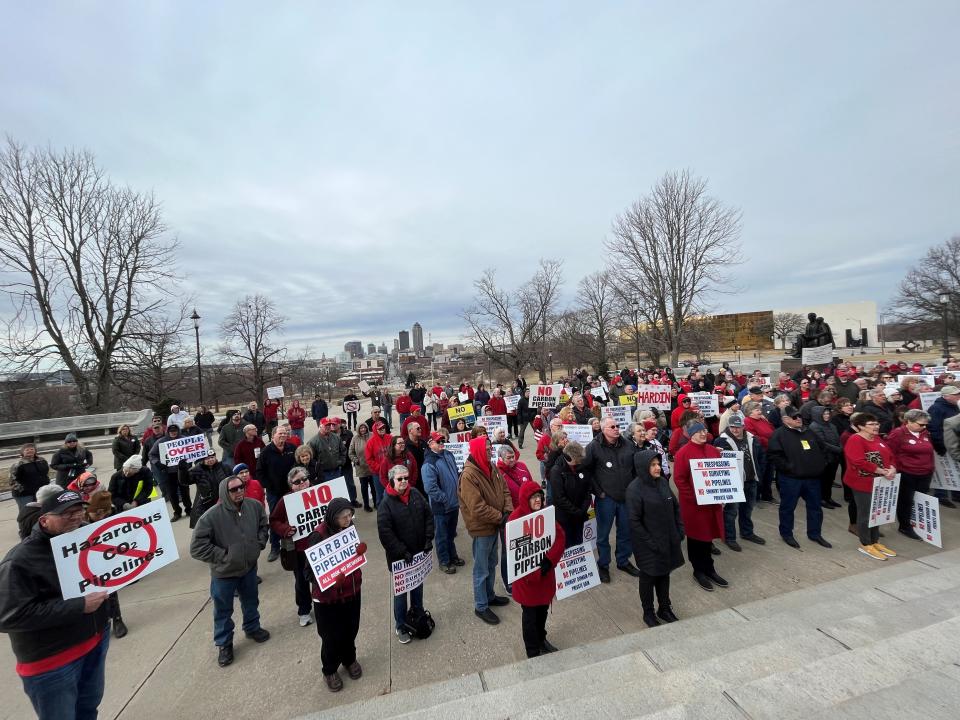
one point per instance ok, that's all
(573, 451)
(632, 428)
(782, 398)
(504, 450)
(393, 471)
(916, 415)
(295, 473)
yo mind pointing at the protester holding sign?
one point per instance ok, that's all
(337, 608)
(405, 528)
(291, 551)
(207, 476)
(60, 645)
(702, 523)
(570, 489)
(867, 457)
(536, 591)
(736, 439)
(914, 455)
(229, 538)
(170, 470)
(656, 531)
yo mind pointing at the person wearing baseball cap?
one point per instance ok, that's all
(60, 645)
(441, 477)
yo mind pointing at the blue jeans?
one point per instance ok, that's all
(388, 416)
(221, 591)
(297, 432)
(403, 416)
(22, 500)
(378, 489)
(445, 525)
(744, 511)
(272, 501)
(484, 570)
(400, 605)
(608, 511)
(791, 490)
(327, 475)
(73, 691)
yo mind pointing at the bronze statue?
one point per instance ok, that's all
(816, 334)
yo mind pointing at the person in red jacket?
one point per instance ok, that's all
(536, 591)
(403, 405)
(868, 457)
(913, 454)
(297, 480)
(248, 450)
(296, 416)
(374, 452)
(702, 523)
(497, 405)
(396, 453)
(683, 404)
(271, 413)
(417, 418)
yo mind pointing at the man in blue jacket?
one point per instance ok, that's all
(440, 476)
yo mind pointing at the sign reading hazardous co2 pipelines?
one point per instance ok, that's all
(307, 508)
(335, 556)
(545, 396)
(188, 448)
(112, 553)
(528, 539)
(716, 481)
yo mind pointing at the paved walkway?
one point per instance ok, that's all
(166, 667)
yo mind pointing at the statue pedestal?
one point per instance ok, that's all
(790, 366)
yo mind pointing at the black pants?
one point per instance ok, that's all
(433, 418)
(700, 557)
(367, 491)
(533, 622)
(172, 489)
(113, 603)
(301, 585)
(909, 484)
(337, 626)
(513, 427)
(572, 529)
(826, 480)
(351, 421)
(651, 583)
(521, 431)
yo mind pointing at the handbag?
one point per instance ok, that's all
(288, 555)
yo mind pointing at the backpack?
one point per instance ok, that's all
(419, 623)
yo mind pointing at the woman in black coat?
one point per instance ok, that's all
(405, 527)
(656, 531)
(570, 491)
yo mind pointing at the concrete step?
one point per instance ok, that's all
(834, 680)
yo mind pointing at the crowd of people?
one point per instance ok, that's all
(801, 437)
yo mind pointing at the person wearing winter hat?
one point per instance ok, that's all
(736, 438)
(657, 533)
(27, 517)
(440, 478)
(70, 460)
(536, 591)
(297, 481)
(206, 475)
(132, 485)
(86, 483)
(337, 608)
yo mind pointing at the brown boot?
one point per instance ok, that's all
(334, 682)
(852, 529)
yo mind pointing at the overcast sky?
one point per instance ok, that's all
(360, 164)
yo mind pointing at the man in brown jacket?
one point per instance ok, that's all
(485, 504)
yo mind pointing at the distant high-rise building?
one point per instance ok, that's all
(382, 349)
(418, 338)
(405, 340)
(354, 347)
(371, 348)
(396, 344)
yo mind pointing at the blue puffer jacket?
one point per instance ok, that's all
(440, 478)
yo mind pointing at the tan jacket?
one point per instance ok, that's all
(484, 502)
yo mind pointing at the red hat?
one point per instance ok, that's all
(649, 424)
(841, 373)
(415, 407)
(437, 436)
(330, 421)
(917, 367)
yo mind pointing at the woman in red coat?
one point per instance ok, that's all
(702, 523)
(397, 454)
(914, 455)
(536, 591)
(374, 452)
(868, 457)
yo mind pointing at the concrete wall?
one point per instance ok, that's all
(841, 317)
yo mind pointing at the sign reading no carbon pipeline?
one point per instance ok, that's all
(112, 553)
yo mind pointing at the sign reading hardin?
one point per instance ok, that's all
(717, 481)
(528, 539)
(114, 552)
(307, 508)
(335, 556)
(653, 396)
(188, 447)
(545, 396)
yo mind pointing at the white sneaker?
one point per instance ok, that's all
(305, 620)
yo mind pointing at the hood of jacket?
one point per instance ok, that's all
(336, 506)
(816, 414)
(478, 453)
(225, 500)
(641, 465)
(527, 491)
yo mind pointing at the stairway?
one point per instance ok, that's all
(880, 644)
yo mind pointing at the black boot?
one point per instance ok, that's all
(665, 613)
(650, 618)
(119, 628)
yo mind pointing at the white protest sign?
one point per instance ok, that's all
(717, 480)
(927, 399)
(598, 393)
(708, 403)
(461, 451)
(925, 518)
(935, 370)
(545, 396)
(946, 473)
(653, 396)
(883, 500)
(493, 423)
(112, 553)
(528, 538)
(583, 434)
(619, 413)
(407, 577)
(576, 571)
(351, 406)
(590, 532)
(930, 380)
(188, 447)
(364, 386)
(464, 436)
(275, 392)
(512, 401)
(738, 456)
(307, 508)
(463, 397)
(335, 556)
(816, 355)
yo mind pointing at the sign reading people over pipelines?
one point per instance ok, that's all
(528, 538)
(189, 448)
(335, 556)
(410, 576)
(883, 500)
(545, 396)
(717, 481)
(307, 508)
(653, 396)
(114, 552)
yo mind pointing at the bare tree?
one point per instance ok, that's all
(154, 362)
(700, 337)
(918, 295)
(82, 261)
(599, 316)
(510, 328)
(568, 343)
(675, 243)
(248, 343)
(786, 324)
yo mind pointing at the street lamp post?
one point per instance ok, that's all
(550, 357)
(945, 304)
(636, 329)
(196, 329)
